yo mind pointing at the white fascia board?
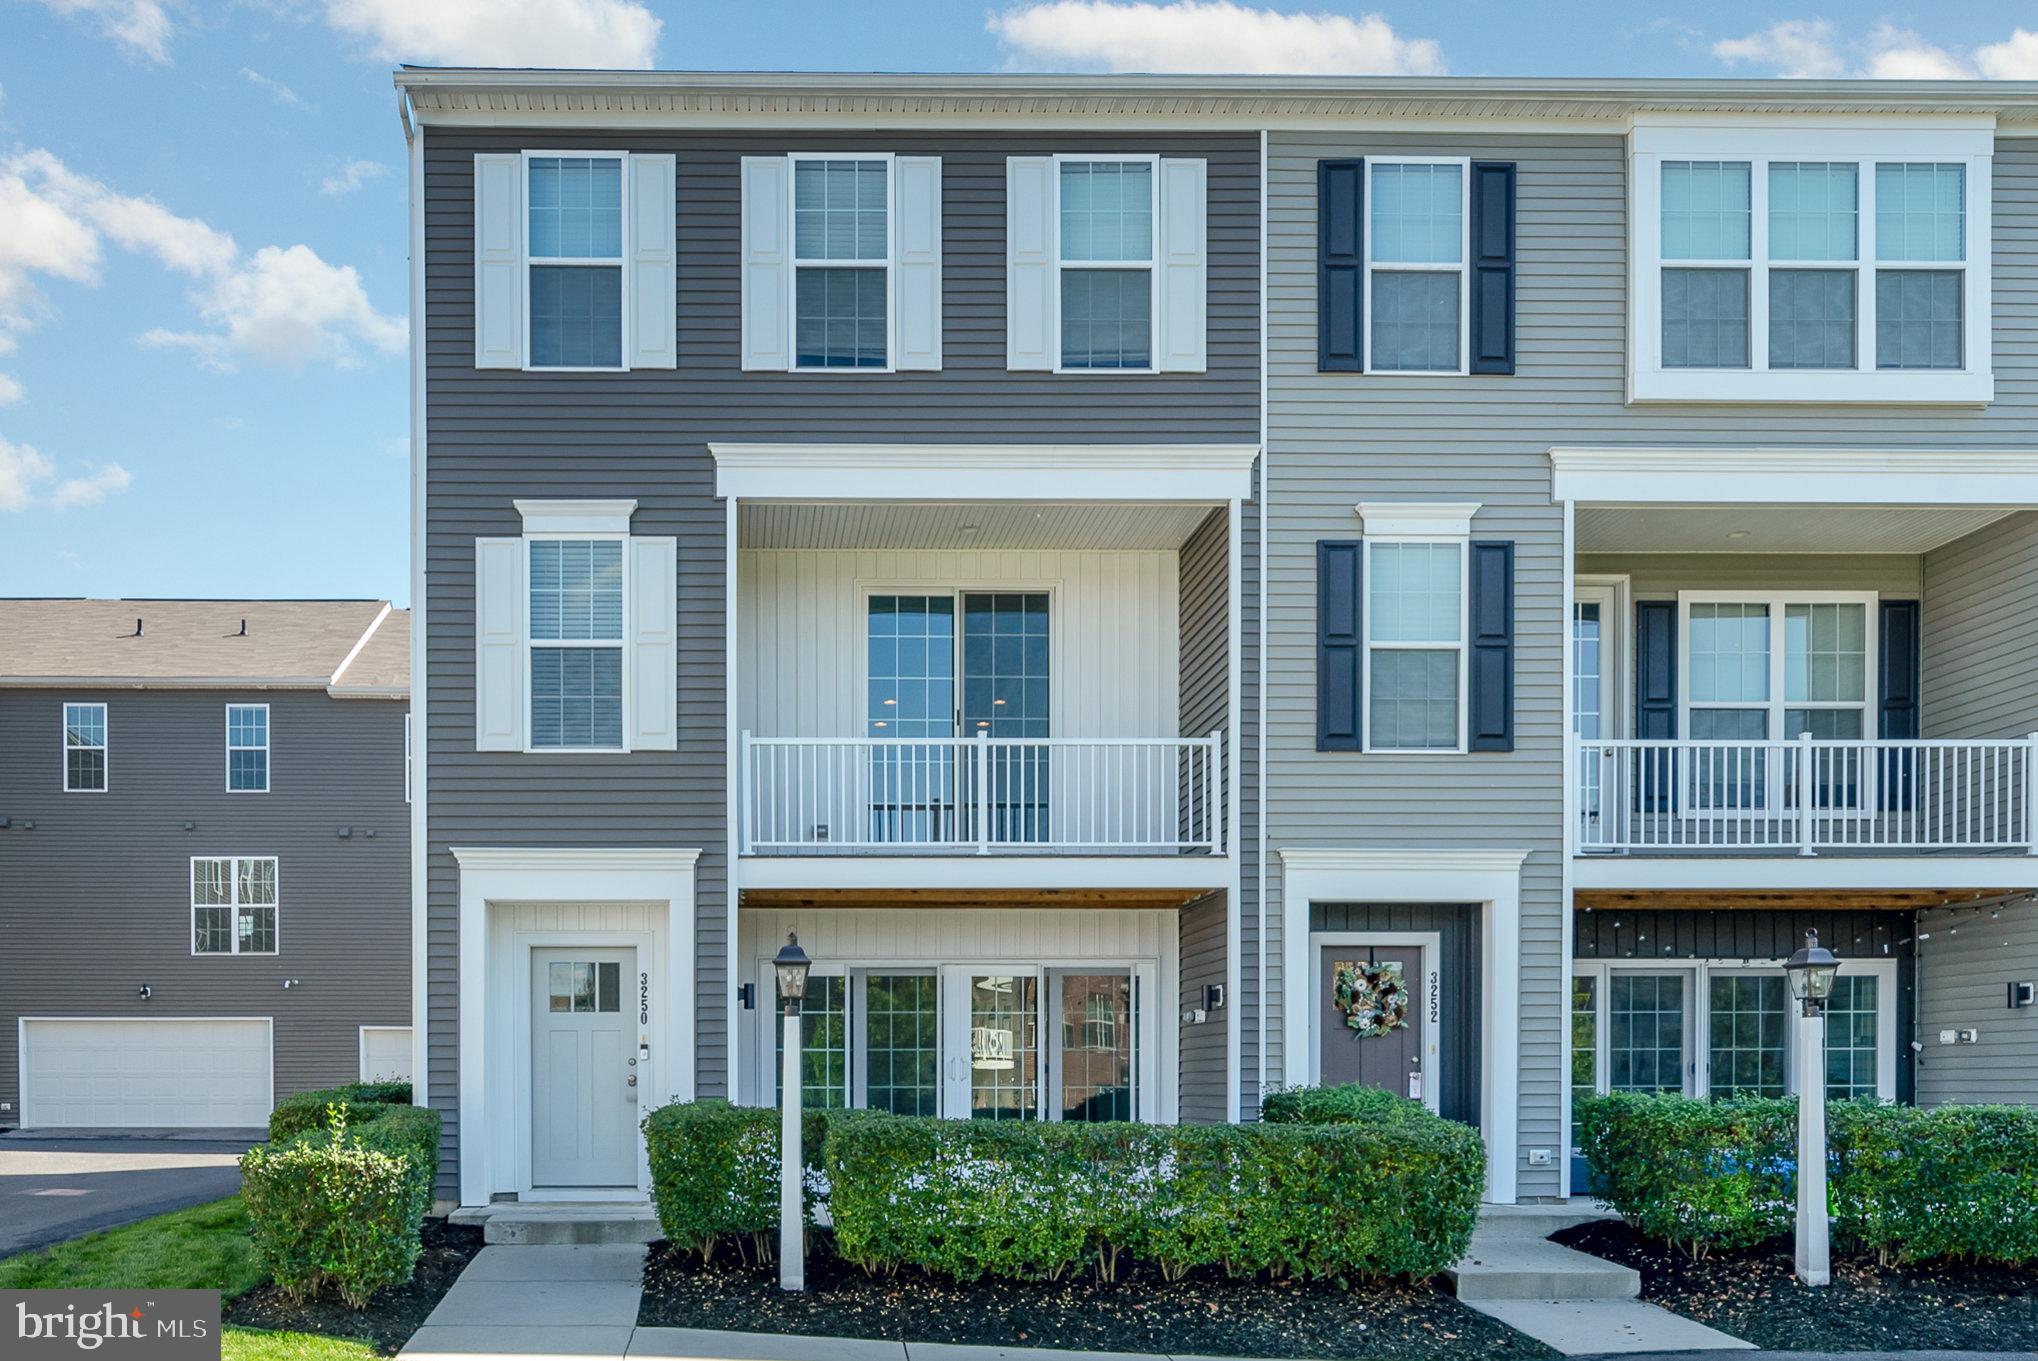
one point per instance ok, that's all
(1669, 475)
(1417, 519)
(576, 517)
(1163, 872)
(1809, 135)
(1778, 873)
(1060, 473)
(164, 682)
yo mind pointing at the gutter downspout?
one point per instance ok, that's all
(1260, 700)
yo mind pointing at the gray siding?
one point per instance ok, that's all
(1200, 1064)
(1457, 928)
(1964, 972)
(1205, 707)
(496, 435)
(1979, 672)
(1660, 576)
(1334, 439)
(95, 889)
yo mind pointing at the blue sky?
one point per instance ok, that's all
(202, 284)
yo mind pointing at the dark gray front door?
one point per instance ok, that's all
(1391, 1062)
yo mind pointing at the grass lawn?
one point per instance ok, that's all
(204, 1248)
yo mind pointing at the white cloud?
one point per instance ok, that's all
(25, 473)
(286, 307)
(1209, 36)
(282, 93)
(566, 33)
(141, 27)
(10, 390)
(351, 176)
(1900, 54)
(2015, 58)
(90, 490)
(21, 470)
(1797, 48)
(1813, 48)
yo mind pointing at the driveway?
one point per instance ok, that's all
(54, 1187)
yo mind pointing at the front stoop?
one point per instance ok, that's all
(559, 1223)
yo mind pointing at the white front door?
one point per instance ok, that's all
(583, 1067)
(991, 1050)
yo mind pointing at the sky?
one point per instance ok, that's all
(202, 235)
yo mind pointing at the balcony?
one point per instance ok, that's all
(1884, 797)
(1123, 796)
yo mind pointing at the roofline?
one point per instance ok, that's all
(359, 643)
(204, 683)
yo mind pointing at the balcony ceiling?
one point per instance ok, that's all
(1021, 525)
(1778, 529)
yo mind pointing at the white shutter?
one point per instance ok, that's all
(654, 318)
(1030, 245)
(1181, 256)
(499, 261)
(916, 274)
(498, 644)
(654, 644)
(767, 263)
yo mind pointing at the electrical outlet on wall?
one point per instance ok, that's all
(1540, 1157)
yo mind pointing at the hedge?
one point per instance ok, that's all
(714, 1172)
(337, 1199)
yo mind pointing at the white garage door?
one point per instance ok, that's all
(164, 1072)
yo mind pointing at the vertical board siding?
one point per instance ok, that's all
(1206, 707)
(95, 889)
(495, 435)
(1459, 1052)
(1967, 960)
(1335, 439)
(1980, 635)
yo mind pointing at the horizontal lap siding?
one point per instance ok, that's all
(1206, 707)
(1966, 962)
(495, 435)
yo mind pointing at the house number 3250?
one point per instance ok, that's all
(643, 999)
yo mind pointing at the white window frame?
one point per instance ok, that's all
(1778, 705)
(268, 758)
(621, 262)
(795, 264)
(233, 885)
(531, 644)
(1370, 645)
(1463, 268)
(64, 747)
(1657, 139)
(1151, 265)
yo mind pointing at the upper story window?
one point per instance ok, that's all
(576, 642)
(247, 748)
(842, 258)
(1811, 265)
(85, 748)
(1106, 212)
(1415, 266)
(233, 905)
(576, 255)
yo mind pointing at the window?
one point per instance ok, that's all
(84, 748)
(1645, 1032)
(1853, 1020)
(583, 986)
(1415, 266)
(247, 748)
(1415, 653)
(233, 905)
(842, 257)
(1811, 265)
(1749, 1019)
(576, 643)
(575, 246)
(1106, 211)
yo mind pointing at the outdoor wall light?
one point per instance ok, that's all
(145, 992)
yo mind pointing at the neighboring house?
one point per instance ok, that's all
(204, 851)
(838, 512)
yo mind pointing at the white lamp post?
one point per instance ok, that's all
(791, 965)
(1811, 971)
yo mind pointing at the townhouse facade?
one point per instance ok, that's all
(204, 857)
(1174, 588)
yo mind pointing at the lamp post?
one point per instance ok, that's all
(791, 965)
(1811, 971)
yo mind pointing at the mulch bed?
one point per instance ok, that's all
(391, 1316)
(1206, 1313)
(1755, 1295)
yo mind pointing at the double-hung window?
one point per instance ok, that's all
(1105, 211)
(1415, 244)
(1415, 644)
(233, 905)
(247, 748)
(576, 643)
(577, 241)
(842, 262)
(85, 748)
(1811, 265)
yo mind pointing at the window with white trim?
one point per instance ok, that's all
(577, 219)
(1415, 644)
(576, 642)
(1105, 213)
(247, 748)
(1811, 264)
(233, 905)
(842, 262)
(1416, 247)
(85, 748)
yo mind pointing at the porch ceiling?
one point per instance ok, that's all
(985, 525)
(964, 898)
(1785, 900)
(1778, 529)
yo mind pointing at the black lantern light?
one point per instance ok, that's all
(1811, 972)
(791, 965)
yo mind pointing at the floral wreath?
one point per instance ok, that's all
(1373, 998)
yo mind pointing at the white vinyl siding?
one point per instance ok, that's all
(235, 905)
(86, 749)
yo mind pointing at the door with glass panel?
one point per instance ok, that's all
(991, 1057)
(584, 1094)
(869, 1039)
(1747, 1033)
(1648, 1030)
(1595, 698)
(1093, 1028)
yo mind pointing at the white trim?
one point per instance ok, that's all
(620, 263)
(419, 727)
(735, 869)
(104, 747)
(268, 756)
(1177, 473)
(1417, 519)
(1462, 269)
(888, 265)
(1234, 902)
(21, 1024)
(1780, 475)
(1164, 873)
(389, 1029)
(576, 518)
(1568, 803)
(1260, 832)
(233, 904)
(1491, 878)
(1430, 943)
(1056, 264)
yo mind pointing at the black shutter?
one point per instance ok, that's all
(1492, 267)
(1655, 700)
(1897, 684)
(1491, 665)
(1338, 572)
(1340, 266)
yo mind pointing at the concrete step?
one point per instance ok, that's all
(1510, 1266)
(554, 1223)
(1540, 1221)
(1608, 1327)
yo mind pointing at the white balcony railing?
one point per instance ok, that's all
(909, 796)
(1803, 797)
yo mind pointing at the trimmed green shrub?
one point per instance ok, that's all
(307, 1110)
(1339, 1105)
(714, 1172)
(342, 1208)
(1697, 1174)
(1951, 1181)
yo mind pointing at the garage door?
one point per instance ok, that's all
(163, 1072)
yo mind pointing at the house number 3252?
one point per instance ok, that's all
(643, 999)
(1435, 1007)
